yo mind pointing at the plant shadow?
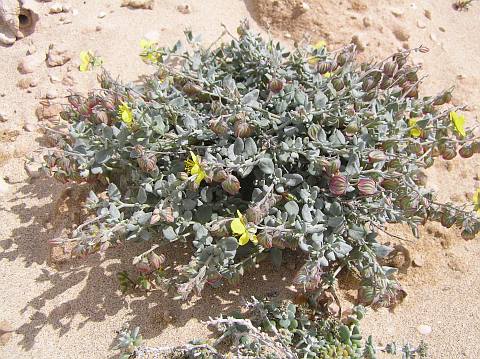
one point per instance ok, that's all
(89, 285)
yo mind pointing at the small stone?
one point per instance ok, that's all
(33, 170)
(427, 14)
(442, 29)
(51, 94)
(406, 46)
(6, 328)
(400, 33)
(30, 63)
(57, 56)
(34, 82)
(184, 9)
(424, 329)
(304, 7)
(421, 24)
(359, 5)
(67, 8)
(139, 4)
(3, 117)
(367, 21)
(287, 35)
(47, 110)
(358, 43)
(98, 28)
(102, 15)
(418, 261)
(31, 50)
(74, 12)
(4, 189)
(24, 83)
(54, 79)
(433, 37)
(30, 126)
(55, 8)
(397, 12)
(68, 80)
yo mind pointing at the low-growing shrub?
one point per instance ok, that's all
(245, 149)
(277, 330)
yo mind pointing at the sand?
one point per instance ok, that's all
(73, 309)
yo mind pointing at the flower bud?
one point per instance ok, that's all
(368, 84)
(182, 176)
(468, 234)
(367, 186)
(389, 184)
(342, 58)
(449, 153)
(231, 185)
(338, 185)
(333, 166)
(352, 128)
(276, 85)
(156, 260)
(377, 156)
(102, 117)
(219, 175)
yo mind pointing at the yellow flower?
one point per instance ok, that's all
(458, 122)
(476, 200)
(320, 44)
(414, 130)
(194, 168)
(148, 50)
(239, 227)
(126, 114)
(327, 75)
(86, 60)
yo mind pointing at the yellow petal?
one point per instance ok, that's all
(84, 67)
(238, 227)
(200, 176)
(458, 122)
(320, 44)
(145, 43)
(254, 239)
(313, 60)
(327, 75)
(415, 132)
(85, 56)
(243, 239)
(476, 197)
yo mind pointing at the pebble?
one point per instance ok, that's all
(421, 24)
(68, 80)
(3, 117)
(47, 110)
(418, 261)
(367, 21)
(397, 12)
(139, 4)
(34, 82)
(6, 328)
(424, 329)
(4, 189)
(57, 56)
(31, 50)
(304, 6)
(29, 64)
(67, 8)
(400, 33)
(30, 126)
(51, 94)
(184, 9)
(427, 14)
(55, 8)
(287, 35)
(24, 83)
(433, 37)
(102, 15)
(98, 28)
(442, 29)
(55, 79)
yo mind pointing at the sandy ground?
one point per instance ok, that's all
(73, 309)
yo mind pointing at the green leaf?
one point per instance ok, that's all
(238, 146)
(292, 208)
(266, 165)
(141, 195)
(250, 147)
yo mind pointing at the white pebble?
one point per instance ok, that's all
(424, 329)
(102, 15)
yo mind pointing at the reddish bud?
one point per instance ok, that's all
(338, 185)
(367, 186)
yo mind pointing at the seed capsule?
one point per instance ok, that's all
(219, 127)
(390, 184)
(338, 185)
(449, 153)
(323, 67)
(231, 185)
(342, 58)
(219, 175)
(242, 129)
(390, 68)
(147, 162)
(276, 85)
(338, 84)
(466, 151)
(367, 186)
(368, 84)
